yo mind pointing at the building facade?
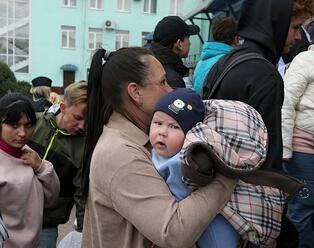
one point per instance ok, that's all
(56, 38)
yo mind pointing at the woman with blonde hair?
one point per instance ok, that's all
(40, 90)
(54, 98)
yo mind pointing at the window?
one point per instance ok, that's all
(122, 39)
(150, 6)
(68, 36)
(69, 3)
(123, 5)
(15, 34)
(176, 7)
(94, 38)
(96, 4)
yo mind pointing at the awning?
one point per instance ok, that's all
(230, 7)
(69, 67)
(211, 8)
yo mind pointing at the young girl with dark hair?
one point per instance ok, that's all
(27, 182)
(128, 202)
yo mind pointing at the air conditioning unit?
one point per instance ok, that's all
(110, 24)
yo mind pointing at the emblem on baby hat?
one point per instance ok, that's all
(176, 106)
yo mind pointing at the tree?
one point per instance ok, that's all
(6, 74)
(8, 82)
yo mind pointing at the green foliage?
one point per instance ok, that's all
(8, 82)
(6, 74)
(22, 87)
(4, 88)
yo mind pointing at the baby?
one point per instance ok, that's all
(174, 115)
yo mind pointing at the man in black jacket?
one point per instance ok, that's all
(170, 44)
(268, 28)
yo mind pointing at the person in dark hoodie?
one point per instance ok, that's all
(267, 28)
(170, 44)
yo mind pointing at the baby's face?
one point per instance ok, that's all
(166, 136)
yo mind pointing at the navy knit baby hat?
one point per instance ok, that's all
(184, 105)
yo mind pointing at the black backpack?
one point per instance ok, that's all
(209, 90)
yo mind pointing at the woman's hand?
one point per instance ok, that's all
(31, 158)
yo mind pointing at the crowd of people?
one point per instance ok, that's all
(148, 162)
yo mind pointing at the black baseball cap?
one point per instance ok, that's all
(172, 28)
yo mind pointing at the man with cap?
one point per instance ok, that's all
(41, 92)
(170, 44)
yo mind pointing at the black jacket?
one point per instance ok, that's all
(172, 63)
(257, 82)
(41, 104)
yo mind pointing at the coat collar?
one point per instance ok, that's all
(119, 122)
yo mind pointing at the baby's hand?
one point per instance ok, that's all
(31, 158)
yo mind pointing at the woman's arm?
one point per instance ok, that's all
(155, 212)
(50, 182)
(45, 173)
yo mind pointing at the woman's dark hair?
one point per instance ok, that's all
(106, 85)
(13, 106)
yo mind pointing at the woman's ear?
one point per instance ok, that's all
(62, 106)
(135, 93)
